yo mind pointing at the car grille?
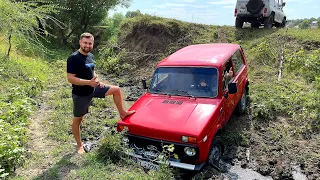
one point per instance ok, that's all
(152, 148)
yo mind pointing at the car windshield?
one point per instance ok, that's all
(185, 81)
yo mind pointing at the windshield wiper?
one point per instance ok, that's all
(185, 92)
(157, 91)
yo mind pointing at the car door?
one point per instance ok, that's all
(229, 99)
(241, 73)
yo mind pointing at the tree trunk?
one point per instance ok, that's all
(281, 64)
(10, 37)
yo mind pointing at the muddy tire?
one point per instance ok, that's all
(216, 152)
(242, 105)
(255, 6)
(239, 23)
(283, 24)
(268, 21)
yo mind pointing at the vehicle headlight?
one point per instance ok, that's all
(189, 151)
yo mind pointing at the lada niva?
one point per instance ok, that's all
(191, 97)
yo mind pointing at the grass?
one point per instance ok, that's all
(312, 35)
(22, 81)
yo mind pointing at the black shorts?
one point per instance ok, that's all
(81, 103)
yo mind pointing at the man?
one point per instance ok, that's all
(85, 86)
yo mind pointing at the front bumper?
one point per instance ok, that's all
(172, 163)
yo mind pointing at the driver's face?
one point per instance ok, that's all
(86, 44)
(203, 83)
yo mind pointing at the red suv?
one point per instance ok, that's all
(192, 95)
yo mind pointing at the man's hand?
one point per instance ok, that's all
(101, 84)
(94, 82)
(230, 73)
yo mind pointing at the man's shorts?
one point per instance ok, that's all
(81, 103)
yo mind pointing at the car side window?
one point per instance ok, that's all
(237, 61)
(227, 75)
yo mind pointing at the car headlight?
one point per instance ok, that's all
(190, 151)
(188, 139)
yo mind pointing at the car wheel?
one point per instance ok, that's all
(268, 22)
(216, 153)
(242, 105)
(239, 23)
(283, 24)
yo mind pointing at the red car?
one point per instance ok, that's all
(191, 97)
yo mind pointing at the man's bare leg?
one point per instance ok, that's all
(117, 98)
(76, 133)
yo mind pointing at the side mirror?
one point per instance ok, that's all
(232, 87)
(144, 84)
(283, 4)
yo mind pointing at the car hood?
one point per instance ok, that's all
(171, 117)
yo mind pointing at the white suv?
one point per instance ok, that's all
(260, 12)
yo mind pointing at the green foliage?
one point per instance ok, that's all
(303, 35)
(302, 23)
(132, 14)
(81, 16)
(265, 55)
(22, 19)
(113, 148)
(21, 80)
(305, 24)
(293, 96)
(304, 63)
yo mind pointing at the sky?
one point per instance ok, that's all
(214, 12)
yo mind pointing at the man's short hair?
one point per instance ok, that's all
(86, 35)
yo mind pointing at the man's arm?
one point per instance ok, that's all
(81, 82)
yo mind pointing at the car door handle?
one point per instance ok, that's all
(221, 110)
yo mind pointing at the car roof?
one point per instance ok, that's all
(201, 55)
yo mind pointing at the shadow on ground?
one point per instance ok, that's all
(60, 170)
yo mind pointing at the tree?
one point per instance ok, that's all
(81, 16)
(312, 19)
(22, 19)
(131, 14)
(305, 24)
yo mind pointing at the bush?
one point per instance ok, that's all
(304, 63)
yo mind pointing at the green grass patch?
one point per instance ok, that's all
(22, 80)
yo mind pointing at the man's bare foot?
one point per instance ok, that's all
(80, 149)
(126, 113)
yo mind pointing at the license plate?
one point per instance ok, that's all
(243, 10)
(147, 164)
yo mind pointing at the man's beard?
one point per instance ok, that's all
(86, 50)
